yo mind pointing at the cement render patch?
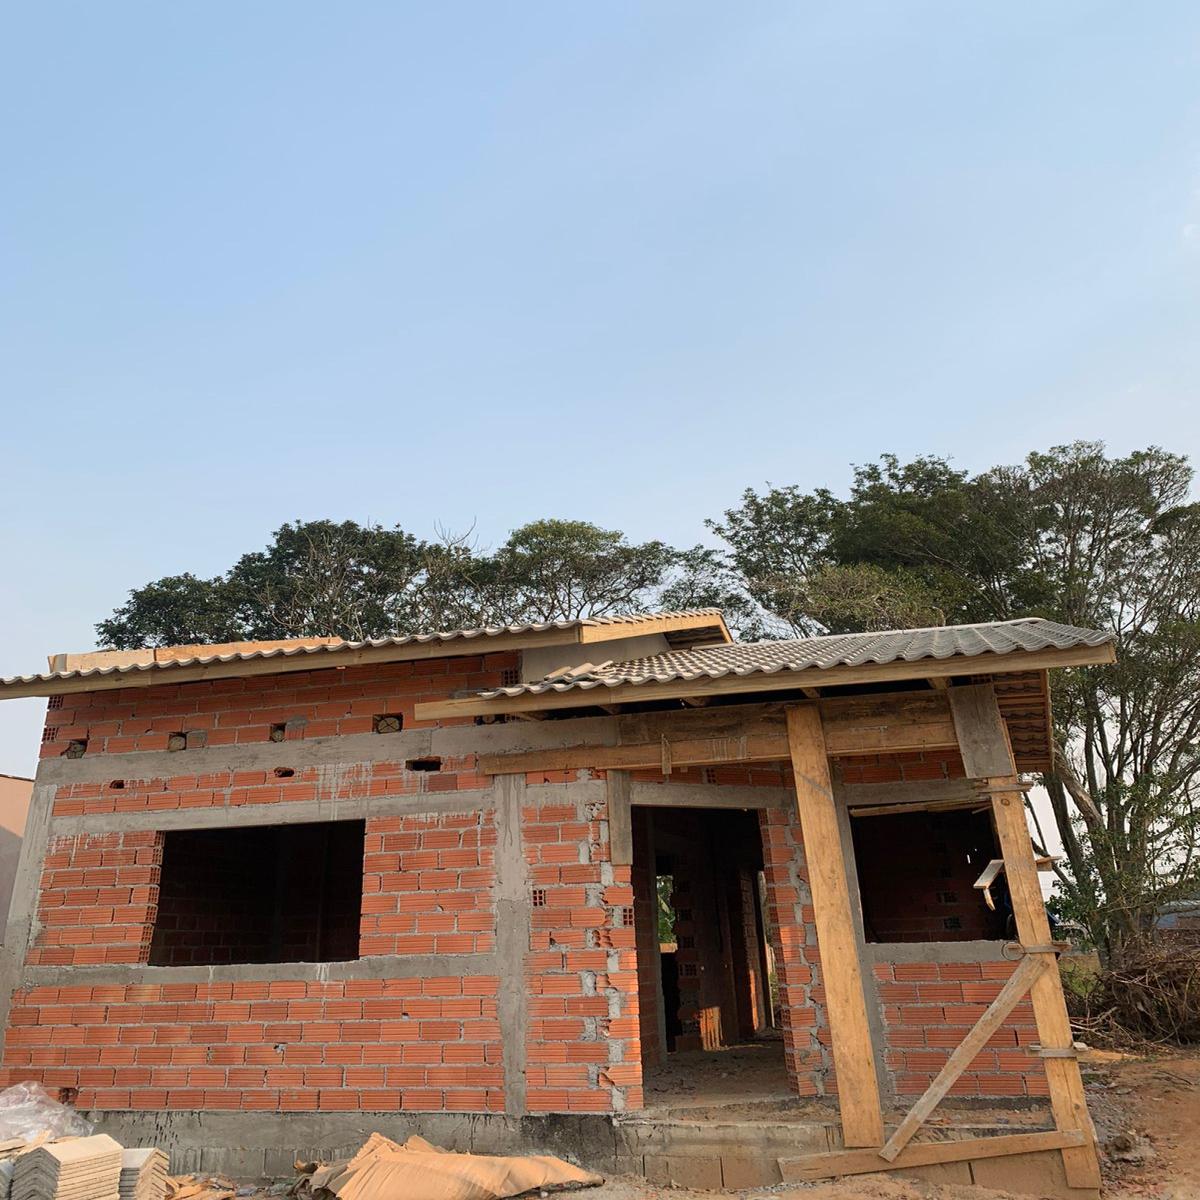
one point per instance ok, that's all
(454, 741)
(266, 1145)
(374, 967)
(879, 953)
(283, 812)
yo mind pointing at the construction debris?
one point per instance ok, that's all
(417, 1170)
(86, 1168)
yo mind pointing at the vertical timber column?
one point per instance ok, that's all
(987, 755)
(513, 919)
(841, 971)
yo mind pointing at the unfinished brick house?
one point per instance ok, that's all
(286, 893)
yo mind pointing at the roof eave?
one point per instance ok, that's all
(756, 683)
(278, 661)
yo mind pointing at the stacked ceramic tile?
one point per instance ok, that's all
(143, 1174)
(86, 1168)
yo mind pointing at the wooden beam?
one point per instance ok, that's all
(924, 1154)
(620, 818)
(678, 623)
(854, 725)
(841, 970)
(924, 791)
(781, 681)
(1019, 982)
(987, 755)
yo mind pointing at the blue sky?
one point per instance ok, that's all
(474, 263)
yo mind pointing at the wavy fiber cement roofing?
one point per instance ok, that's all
(823, 653)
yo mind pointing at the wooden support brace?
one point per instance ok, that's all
(1010, 996)
(987, 755)
(923, 1154)
(841, 970)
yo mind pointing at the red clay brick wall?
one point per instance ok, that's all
(98, 898)
(583, 1039)
(226, 712)
(239, 789)
(928, 1008)
(428, 884)
(797, 963)
(426, 1045)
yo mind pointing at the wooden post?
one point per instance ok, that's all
(987, 755)
(857, 1084)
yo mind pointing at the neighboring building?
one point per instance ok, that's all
(14, 808)
(419, 876)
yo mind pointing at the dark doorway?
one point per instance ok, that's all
(703, 964)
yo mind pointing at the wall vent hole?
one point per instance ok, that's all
(76, 749)
(177, 741)
(423, 764)
(387, 722)
(278, 732)
(116, 784)
(284, 772)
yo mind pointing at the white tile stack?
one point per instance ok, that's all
(143, 1174)
(86, 1168)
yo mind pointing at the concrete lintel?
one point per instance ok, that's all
(286, 812)
(935, 952)
(390, 966)
(453, 741)
(709, 795)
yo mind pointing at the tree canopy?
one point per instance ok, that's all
(1071, 533)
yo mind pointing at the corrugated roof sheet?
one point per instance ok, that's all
(821, 654)
(632, 620)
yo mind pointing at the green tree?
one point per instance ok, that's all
(557, 570)
(1071, 534)
(179, 610)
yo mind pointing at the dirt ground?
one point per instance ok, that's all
(1147, 1114)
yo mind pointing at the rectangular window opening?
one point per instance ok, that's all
(260, 894)
(916, 875)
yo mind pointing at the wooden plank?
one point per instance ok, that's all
(929, 791)
(858, 725)
(1019, 982)
(782, 681)
(620, 818)
(924, 1154)
(987, 755)
(671, 623)
(841, 970)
